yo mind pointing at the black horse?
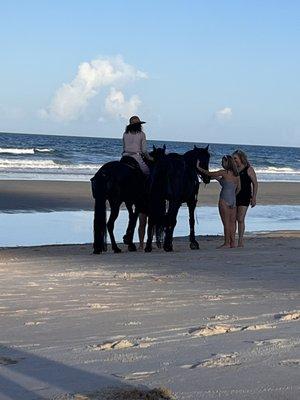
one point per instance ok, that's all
(118, 182)
(175, 181)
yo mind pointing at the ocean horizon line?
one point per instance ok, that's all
(149, 139)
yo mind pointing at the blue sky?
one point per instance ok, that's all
(208, 71)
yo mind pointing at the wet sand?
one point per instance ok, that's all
(59, 195)
(209, 324)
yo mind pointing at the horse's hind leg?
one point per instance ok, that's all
(194, 245)
(100, 244)
(158, 235)
(150, 229)
(128, 237)
(114, 207)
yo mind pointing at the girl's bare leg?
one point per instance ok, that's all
(224, 214)
(240, 217)
(142, 229)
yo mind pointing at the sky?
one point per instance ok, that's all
(204, 71)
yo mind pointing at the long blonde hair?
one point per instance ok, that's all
(230, 165)
(242, 156)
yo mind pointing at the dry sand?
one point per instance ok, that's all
(58, 195)
(208, 324)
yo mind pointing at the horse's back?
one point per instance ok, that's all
(120, 179)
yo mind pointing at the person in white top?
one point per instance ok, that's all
(135, 145)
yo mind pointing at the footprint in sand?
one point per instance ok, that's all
(290, 363)
(97, 306)
(121, 344)
(280, 343)
(219, 317)
(257, 327)
(33, 323)
(8, 361)
(218, 360)
(132, 323)
(136, 376)
(210, 330)
(288, 316)
(114, 345)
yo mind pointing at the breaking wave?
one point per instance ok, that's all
(7, 164)
(17, 151)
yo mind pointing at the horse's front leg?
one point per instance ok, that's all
(194, 245)
(114, 212)
(158, 235)
(171, 220)
(150, 230)
(128, 238)
(160, 225)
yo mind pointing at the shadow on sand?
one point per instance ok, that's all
(25, 376)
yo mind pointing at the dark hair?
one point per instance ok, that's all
(134, 128)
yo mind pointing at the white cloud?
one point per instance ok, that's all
(71, 99)
(117, 106)
(224, 114)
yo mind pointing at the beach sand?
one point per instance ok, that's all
(59, 195)
(207, 324)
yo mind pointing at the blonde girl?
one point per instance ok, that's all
(229, 180)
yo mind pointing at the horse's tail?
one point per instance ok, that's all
(99, 191)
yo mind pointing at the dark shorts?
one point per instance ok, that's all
(243, 200)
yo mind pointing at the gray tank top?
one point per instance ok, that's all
(228, 192)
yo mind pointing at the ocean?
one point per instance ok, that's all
(45, 157)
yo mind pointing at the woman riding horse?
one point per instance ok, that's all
(118, 182)
(135, 146)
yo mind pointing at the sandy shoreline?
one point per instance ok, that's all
(206, 324)
(59, 195)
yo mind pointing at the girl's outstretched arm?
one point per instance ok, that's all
(216, 174)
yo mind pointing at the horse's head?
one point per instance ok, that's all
(202, 155)
(158, 153)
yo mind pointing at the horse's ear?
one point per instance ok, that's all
(195, 147)
(154, 147)
(164, 147)
(207, 147)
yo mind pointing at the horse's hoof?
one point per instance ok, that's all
(97, 251)
(132, 247)
(158, 244)
(194, 246)
(148, 249)
(126, 240)
(117, 250)
(168, 248)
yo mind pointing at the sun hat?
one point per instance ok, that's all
(135, 120)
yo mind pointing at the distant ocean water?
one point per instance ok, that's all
(45, 157)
